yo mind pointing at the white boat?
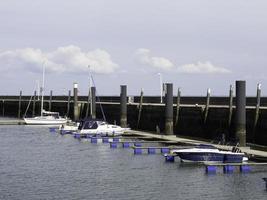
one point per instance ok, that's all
(208, 153)
(99, 127)
(69, 127)
(46, 118)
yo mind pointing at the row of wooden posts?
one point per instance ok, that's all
(240, 120)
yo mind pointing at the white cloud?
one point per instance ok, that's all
(144, 57)
(63, 59)
(202, 68)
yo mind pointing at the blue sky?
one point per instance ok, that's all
(195, 44)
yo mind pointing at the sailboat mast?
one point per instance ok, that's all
(42, 91)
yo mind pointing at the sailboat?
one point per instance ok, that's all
(47, 117)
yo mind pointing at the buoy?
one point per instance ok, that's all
(165, 150)
(210, 169)
(125, 144)
(151, 150)
(228, 169)
(113, 145)
(137, 151)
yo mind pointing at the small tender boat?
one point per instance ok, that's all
(99, 127)
(46, 118)
(209, 153)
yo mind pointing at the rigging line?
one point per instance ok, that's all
(102, 111)
(28, 104)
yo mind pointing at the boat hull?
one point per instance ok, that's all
(211, 157)
(40, 121)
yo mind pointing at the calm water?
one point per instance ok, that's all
(37, 164)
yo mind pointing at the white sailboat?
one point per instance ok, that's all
(46, 118)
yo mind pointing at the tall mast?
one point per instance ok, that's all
(42, 90)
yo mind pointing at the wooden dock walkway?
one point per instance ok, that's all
(12, 122)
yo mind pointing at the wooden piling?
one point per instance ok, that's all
(257, 110)
(33, 104)
(3, 108)
(19, 109)
(93, 101)
(68, 105)
(169, 110)
(178, 100)
(140, 108)
(50, 100)
(75, 103)
(231, 96)
(206, 111)
(88, 109)
(240, 131)
(123, 106)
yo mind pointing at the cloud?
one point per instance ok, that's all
(63, 59)
(143, 56)
(202, 68)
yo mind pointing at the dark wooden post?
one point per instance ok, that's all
(33, 105)
(140, 108)
(169, 110)
(50, 100)
(68, 105)
(231, 96)
(123, 102)
(75, 103)
(93, 106)
(19, 109)
(240, 131)
(88, 103)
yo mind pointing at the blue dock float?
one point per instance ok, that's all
(52, 129)
(94, 140)
(151, 150)
(137, 144)
(113, 145)
(125, 144)
(245, 168)
(165, 150)
(78, 136)
(105, 140)
(169, 158)
(211, 169)
(115, 139)
(137, 151)
(228, 169)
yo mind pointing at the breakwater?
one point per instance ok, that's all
(193, 118)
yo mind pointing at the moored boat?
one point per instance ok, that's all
(209, 153)
(99, 127)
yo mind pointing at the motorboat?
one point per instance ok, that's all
(46, 118)
(99, 127)
(209, 153)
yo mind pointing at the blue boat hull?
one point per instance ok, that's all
(210, 157)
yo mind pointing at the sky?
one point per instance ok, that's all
(194, 44)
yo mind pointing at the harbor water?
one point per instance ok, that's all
(37, 164)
